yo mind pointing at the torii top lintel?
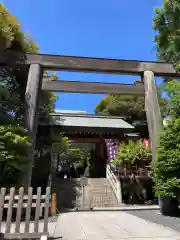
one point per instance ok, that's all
(89, 64)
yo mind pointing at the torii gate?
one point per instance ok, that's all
(37, 63)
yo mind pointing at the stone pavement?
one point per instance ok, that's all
(110, 225)
(156, 217)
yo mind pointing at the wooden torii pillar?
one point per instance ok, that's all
(32, 97)
(153, 113)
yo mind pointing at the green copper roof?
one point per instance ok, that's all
(87, 120)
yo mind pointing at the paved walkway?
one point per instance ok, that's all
(116, 225)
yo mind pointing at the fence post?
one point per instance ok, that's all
(53, 204)
(119, 192)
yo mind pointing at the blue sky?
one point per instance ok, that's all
(96, 28)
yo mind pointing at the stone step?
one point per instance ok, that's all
(98, 193)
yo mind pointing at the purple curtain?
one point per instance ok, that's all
(111, 146)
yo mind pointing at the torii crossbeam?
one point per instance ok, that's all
(89, 64)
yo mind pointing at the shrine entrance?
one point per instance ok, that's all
(98, 135)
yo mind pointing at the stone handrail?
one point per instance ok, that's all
(115, 183)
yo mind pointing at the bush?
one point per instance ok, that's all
(166, 168)
(133, 153)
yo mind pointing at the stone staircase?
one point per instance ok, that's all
(99, 193)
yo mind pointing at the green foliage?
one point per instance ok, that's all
(13, 136)
(133, 153)
(166, 168)
(47, 100)
(10, 28)
(13, 146)
(61, 144)
(173, 89)
(167, 26)
(132, 108)
(79, 157)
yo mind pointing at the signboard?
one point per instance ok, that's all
(83, 181)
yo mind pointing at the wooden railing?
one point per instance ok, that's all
(115, 183)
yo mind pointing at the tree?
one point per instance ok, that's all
(167, 38)
(12, 92)
(79, 157)
(166, 25)
(132, 108)
(13, 147)
(166, 167)
(173, 90)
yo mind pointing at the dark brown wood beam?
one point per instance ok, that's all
(92, 87)
(89, 64)
(87, 140)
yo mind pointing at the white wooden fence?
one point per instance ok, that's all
(115, 183)
(20, 204)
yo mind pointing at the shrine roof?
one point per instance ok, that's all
(88, 120)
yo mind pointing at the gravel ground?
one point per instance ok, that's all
(156, 217)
